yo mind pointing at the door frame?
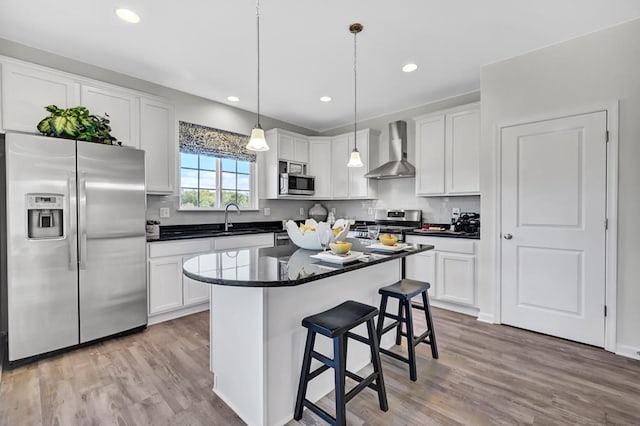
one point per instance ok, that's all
(611, 235)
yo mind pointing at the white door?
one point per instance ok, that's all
(553, 226)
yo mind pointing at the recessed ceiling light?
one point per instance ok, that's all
(325, 99)
(233, 98)
(410, 68)
(128, 16)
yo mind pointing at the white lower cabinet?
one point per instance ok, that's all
(450, 269)
(164, 275)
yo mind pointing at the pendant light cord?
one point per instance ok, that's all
(258, 43)
(355, 92)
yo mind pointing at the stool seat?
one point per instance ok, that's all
(405, 289)
(339, 319)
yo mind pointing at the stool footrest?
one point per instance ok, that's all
(394, 355)
(416, 306)
(389, 327)
(422, 337)
(323, 359)
(360, 379)
(318, 371)
(359, 338)
(320, 412)
(367, 382)
(394, 317)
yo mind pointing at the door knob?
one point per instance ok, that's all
(508, 236)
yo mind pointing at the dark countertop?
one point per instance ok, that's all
(182, 232)
(446, 233)
(280, 266)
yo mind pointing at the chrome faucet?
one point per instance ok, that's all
(228, 225)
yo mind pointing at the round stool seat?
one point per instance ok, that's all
(340, 319)
(405, 289)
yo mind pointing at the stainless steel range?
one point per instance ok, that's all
(393, 222)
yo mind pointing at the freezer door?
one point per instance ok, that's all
(111, 239)
(42, 277)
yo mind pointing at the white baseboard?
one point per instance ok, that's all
(166, 316)
(486, 317)
(467, 310)
(628, 351)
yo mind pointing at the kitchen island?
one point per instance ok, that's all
(258, 299)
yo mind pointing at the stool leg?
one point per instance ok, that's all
(304, 375)
(399, 329)
(377, 366)
(411, 346)
(432, 335)
(339, 375)
(383, 310)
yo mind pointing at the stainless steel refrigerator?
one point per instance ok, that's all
(75, 242)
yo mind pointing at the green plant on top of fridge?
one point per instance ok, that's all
(76, 123)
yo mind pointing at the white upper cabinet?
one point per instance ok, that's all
(289, 146)
(447, 152)
(285, 147)
(27, 90)
(301, 149)
(349, 182)
(158, 140)
(123, 110)
(340, 172)
(320, 165)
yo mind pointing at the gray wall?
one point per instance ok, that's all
(599, 68)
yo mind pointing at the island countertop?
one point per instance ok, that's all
(282, 266)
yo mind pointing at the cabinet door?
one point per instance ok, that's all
(243, 241)
(320, 167)
(301, 150)
(194, 292)
(455, 278)
(339, 171)
(286, 148)
(358, 184)
(422, 267)
(165, 284)
(430, 155)
(122, 108)
(463, 150)
(157, 139)
(26, 91)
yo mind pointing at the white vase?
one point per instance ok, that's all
(318, 212)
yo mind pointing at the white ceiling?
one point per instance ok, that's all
(207, 47)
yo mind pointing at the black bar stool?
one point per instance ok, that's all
(335, 323)
(404, 290)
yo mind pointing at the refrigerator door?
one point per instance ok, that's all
(42, 277)
(111, 239)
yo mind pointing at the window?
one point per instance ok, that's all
(207, 181)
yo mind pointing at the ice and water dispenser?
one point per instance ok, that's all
(45, 213)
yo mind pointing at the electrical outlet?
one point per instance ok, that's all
(370, 211)
(301, 211)
(266, 211)
(456, 210)
(165, 213)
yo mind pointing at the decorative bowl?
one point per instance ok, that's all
(388, 239)
(307, 236)
(340, 247)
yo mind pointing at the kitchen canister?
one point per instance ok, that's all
(318, 212)
(153, 229)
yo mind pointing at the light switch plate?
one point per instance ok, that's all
(165, 213)
(301, 211)
(266, 211)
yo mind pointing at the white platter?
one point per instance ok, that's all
(327, 256)
(393, 248)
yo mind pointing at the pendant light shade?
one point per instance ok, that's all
(354, 160)
(257, 141)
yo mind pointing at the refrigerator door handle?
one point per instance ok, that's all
(73, 226)
(82, 221)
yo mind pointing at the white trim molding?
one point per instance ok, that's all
(487, 317)
(628, 351)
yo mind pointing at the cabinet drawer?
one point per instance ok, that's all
(244, 241)
(173, 248)
(454, 245)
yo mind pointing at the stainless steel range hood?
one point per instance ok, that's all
(397, 166)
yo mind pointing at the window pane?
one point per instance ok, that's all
(243, 199)
(188, 178)
(243, 167)
(208, 180)
(188, 160)
(228, 197)
(207, 162)
(228, 165)
(207, 198)
(228, 180)
(188, 197)
(243, 182)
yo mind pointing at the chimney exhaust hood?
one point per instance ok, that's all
(397, 166)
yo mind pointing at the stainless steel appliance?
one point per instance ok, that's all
(393, 222)
(293, 184)
(467, 223)
(75, 242)
(397, 166)
(281, 238)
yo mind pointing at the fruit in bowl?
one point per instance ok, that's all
(388, 239)
(340, 247)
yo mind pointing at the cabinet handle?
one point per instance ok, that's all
(508, 236)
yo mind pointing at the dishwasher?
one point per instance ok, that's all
(281, 238)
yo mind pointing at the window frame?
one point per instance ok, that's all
(253, 194)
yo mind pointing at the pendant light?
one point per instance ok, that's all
(257, 141)
(354, 160)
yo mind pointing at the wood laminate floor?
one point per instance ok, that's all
(486, 374)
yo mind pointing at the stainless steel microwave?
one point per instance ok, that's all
(295, 184)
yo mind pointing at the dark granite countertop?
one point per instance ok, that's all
(445, 233)
(281, 266)
(182, 232)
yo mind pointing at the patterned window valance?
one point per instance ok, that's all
(197, 139)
